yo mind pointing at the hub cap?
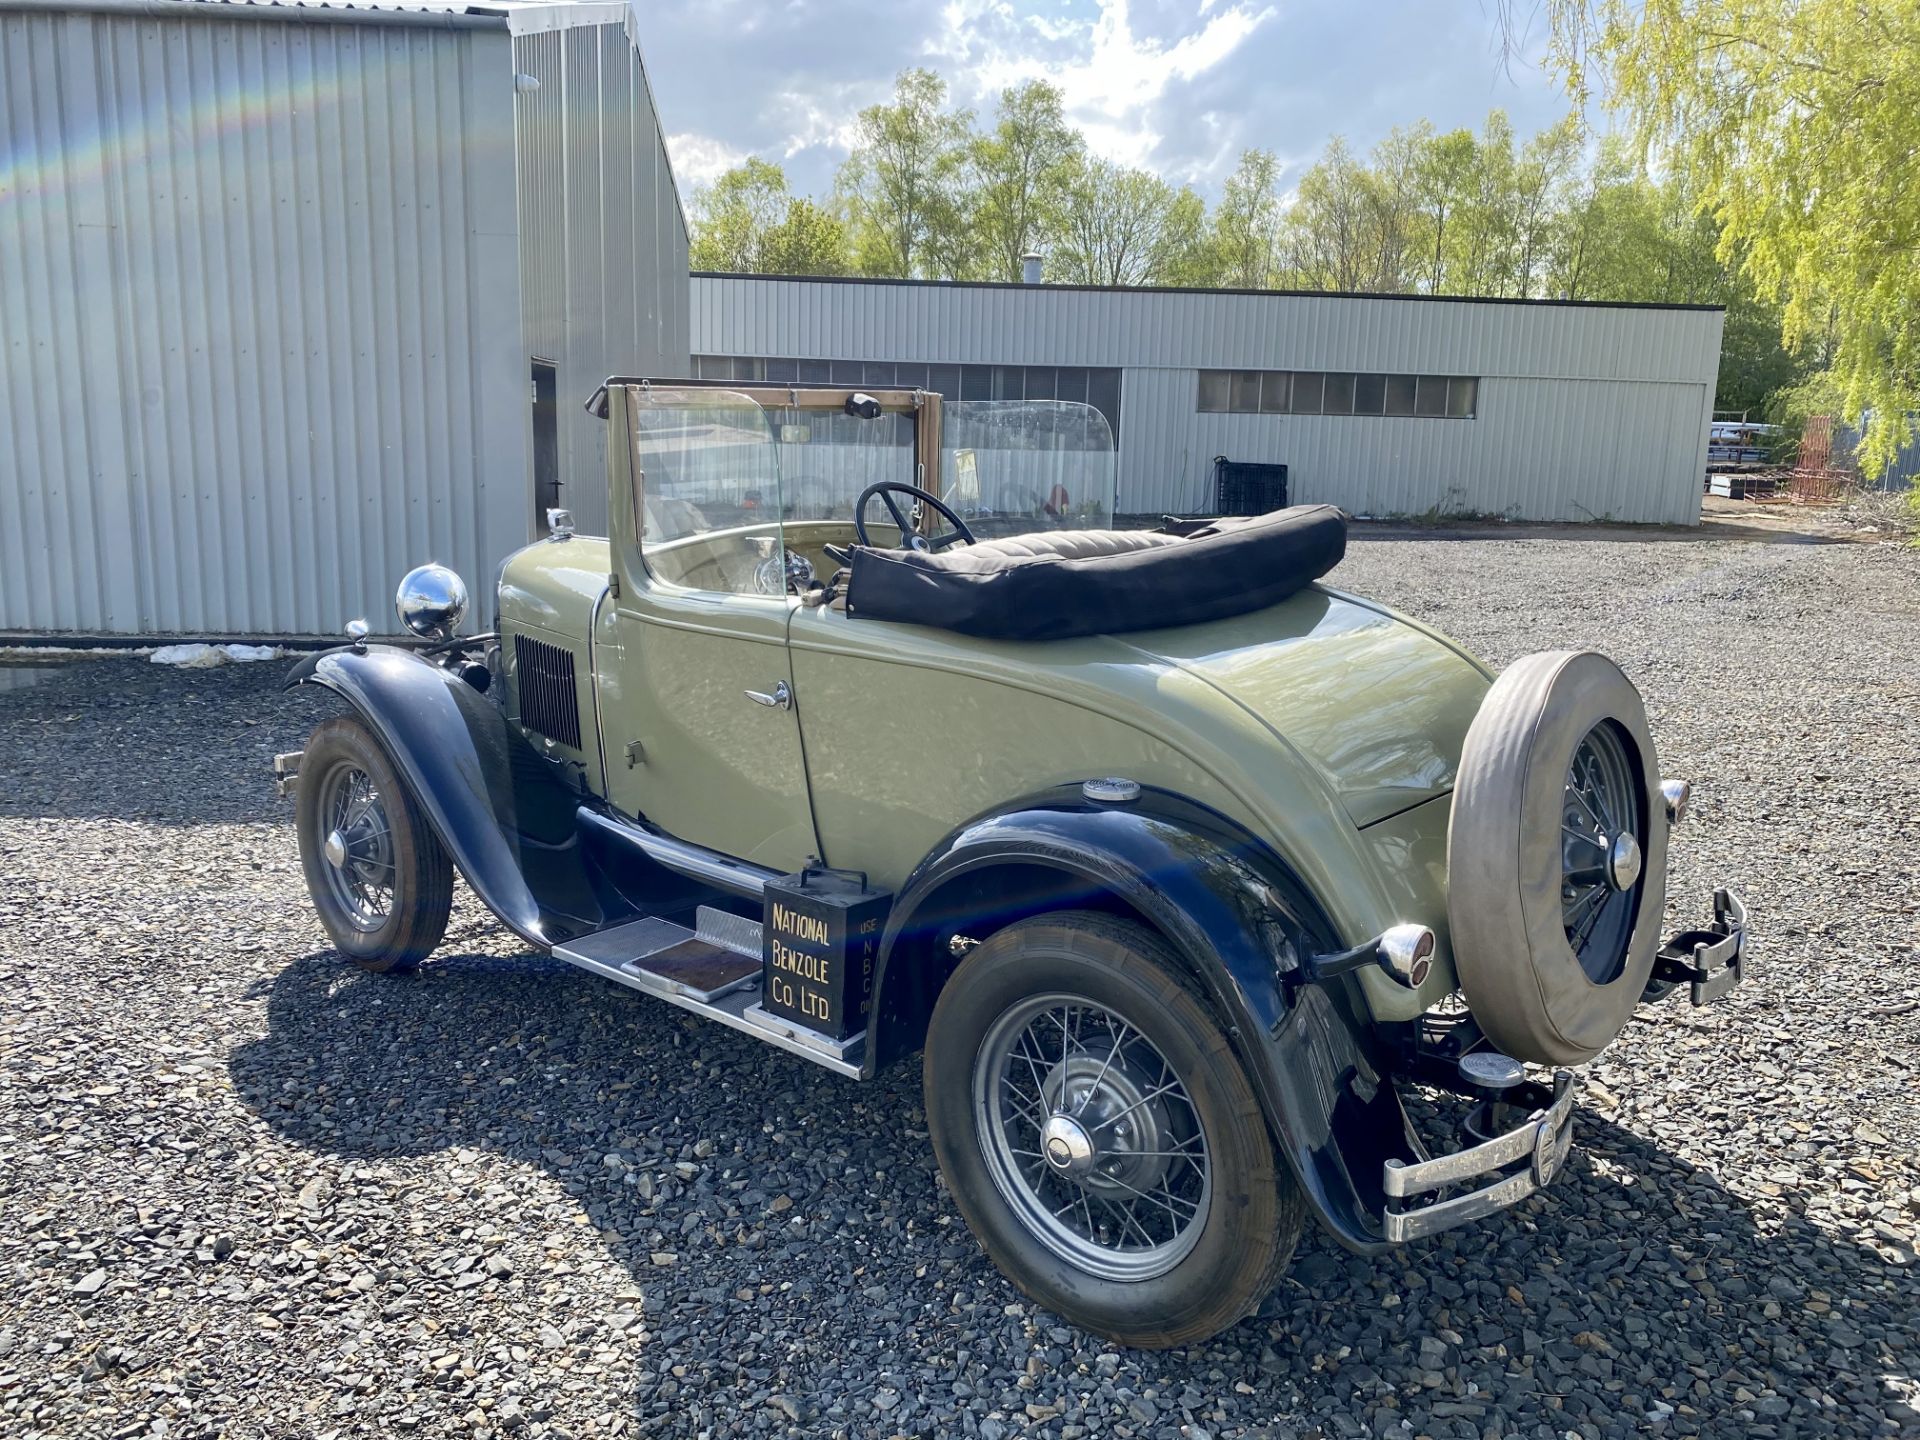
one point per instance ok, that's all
(1068, 1147)
(1602, 818)
(358, 846)
(1623, 863)
(1091, 1137)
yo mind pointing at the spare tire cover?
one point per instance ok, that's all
(1523, 980)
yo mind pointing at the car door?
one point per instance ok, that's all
(695, 686)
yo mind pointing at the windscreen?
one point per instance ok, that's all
(708, 491)
(1011, 467)
(827, 457)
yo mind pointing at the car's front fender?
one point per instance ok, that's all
(1240, 921)
(502, 811)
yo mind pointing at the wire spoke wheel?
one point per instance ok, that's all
(358, 846)
(1603, 820)
(1091, 1137)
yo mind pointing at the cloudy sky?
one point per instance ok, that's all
(1178, 87)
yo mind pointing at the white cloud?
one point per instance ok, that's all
(698, 159)
(1112, 78)
(1178, 86)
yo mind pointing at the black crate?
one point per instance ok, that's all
(1248, 487)
(820, 937)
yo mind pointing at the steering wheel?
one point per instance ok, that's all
(910, 539)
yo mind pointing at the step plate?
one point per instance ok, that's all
(699, 969)
(674, 960)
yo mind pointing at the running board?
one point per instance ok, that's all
(713, 971)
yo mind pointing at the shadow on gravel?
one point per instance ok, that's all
(1638, 1275)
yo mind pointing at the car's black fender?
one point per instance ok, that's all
(1240, 920)
(506, 815)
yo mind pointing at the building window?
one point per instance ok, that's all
(1079, 385)
(1336, 392)
(1213, 392)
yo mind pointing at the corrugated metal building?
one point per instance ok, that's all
(1384, 405)
(294, 296)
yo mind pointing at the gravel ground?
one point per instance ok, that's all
(248, 1191)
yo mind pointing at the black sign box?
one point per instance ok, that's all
(820, 934)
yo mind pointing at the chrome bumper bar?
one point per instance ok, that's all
(1540, 1143)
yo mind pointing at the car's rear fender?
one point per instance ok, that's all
(506, 814)
(1234, 913)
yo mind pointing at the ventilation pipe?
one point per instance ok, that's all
(1030, 268)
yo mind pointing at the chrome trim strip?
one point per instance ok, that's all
(1544, 1138)
(743, 879)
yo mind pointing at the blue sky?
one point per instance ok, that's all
(1180, 88)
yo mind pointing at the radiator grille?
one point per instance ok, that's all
(549, 702)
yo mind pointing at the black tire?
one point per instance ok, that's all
(1246, 1232)
(1539, 996)
(421, 872)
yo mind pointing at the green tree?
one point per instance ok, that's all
(1797, 126)
(1122, 226)
(1022, 169)
(1444, 183)
(732, 216)
(1328, 230)
(1546, 165)
(1246, 226)
(748, 222)
(900, 186)
(1485, 238)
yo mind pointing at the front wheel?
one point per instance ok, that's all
(1100, 1137)
(379, 877)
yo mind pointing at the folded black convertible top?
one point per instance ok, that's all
(1058, 584)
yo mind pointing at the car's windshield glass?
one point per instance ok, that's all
(1014, 466)
(708, 492)
(1007, 467)
(827, 457)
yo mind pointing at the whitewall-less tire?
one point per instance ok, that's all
(1556, 857)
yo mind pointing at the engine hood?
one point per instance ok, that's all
(1377, 704)
(553, 585)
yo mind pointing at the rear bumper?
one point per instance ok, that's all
(1524, 1159)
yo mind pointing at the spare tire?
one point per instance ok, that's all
(1557, 857)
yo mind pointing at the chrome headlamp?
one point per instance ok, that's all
(431, 600)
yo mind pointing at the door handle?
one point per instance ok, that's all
(782, 696)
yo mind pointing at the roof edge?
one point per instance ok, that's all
(287, 14)
(1202, 290)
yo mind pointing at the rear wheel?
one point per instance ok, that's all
(379, 877)
(1100, 1137)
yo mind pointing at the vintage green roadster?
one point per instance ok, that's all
(865, 733)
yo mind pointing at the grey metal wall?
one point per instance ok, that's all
(603, 237)
(256, 314)
(1584, 411)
